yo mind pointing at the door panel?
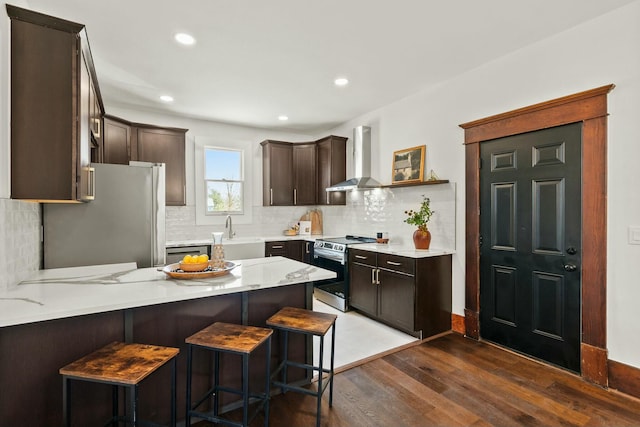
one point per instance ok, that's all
(529, 224)
(503, 216)
(548, 216)
(504, 291)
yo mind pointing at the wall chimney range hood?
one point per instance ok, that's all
(361, 163)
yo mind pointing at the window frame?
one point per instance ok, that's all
(240, 180)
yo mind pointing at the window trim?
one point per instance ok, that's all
(249, 177)
(241, 179)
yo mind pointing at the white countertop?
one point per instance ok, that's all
(67, 292)
(403, 250)
(240, 240)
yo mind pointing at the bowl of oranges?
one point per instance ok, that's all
(193, 263)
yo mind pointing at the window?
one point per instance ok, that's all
(224, 180)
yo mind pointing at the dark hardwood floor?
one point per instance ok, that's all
(454, 381)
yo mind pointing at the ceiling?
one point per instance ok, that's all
(257, 59)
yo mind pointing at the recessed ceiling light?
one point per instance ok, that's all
(341, 81)
(283, 118)
(166, 98)
(185, 39)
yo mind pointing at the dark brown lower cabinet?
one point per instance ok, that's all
(298, 250)
(410, 294)
(395, 291)
(363, 291)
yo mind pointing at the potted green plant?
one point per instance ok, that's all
(420, 218)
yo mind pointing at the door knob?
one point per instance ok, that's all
(570, 267)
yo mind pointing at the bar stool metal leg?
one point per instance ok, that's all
(245, 389)
(173, 392)
(216, 383)
(66, 404)
(133, 396)
(114, 404)
(187, 419)
(320, 375)
(286, 357)
(267, 385)
(333, 343)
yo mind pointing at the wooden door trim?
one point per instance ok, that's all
(590, 108)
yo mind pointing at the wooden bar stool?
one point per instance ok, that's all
(306, 322)
(235, 339)
(120, 365)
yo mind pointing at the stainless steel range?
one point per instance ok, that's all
(332, 254)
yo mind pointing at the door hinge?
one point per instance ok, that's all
(480, 241)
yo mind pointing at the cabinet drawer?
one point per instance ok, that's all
(362, 257)
(176, 254)
(397, 263)
(278, 248)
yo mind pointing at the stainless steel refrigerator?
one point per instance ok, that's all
(124, 223)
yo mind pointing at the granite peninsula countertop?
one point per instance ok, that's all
(67, 292)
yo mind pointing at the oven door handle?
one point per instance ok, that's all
(321, 253)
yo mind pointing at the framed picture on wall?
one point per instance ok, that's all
(408, 165)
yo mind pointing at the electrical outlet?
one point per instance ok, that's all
(634, 235)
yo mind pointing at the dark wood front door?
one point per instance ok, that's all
(530, 255)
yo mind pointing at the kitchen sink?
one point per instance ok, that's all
(243, 248)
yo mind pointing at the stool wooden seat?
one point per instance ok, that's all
(236, 339)
(308, 322)
(120, 365)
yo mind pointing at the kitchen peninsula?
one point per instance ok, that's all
(63, 314)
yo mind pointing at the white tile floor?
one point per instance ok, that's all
(357, 337)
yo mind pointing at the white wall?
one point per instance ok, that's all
(591, 55)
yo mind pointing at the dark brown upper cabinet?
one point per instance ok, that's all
(117, 141)
(332, 169)
(54, 97)
(305, 174)
(277, 173)
(296, 174)
(125, 141)
(161, 145)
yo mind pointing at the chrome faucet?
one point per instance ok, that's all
(229, 224)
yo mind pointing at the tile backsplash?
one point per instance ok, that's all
(366, 212)
(19, 241)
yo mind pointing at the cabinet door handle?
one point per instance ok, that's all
(277, 247)
(271, 197)
(361, 257)
(306, 247)
(377, 276)
(91, 190)
(394, 263)
(295, 196)
(373, 276)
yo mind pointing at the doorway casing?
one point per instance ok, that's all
(589, 108)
